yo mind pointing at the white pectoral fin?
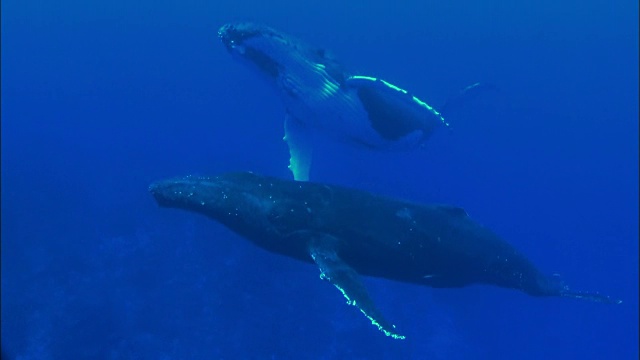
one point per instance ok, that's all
(346, 279)
(300, 142)
(374, 91)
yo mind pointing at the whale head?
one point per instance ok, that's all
(247, 203)
(279, 56)
(257, 45)
(227, 198)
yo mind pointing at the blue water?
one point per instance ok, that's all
(100, 98)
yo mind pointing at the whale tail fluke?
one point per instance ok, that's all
(470, 96)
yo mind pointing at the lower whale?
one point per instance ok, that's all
(348, 233)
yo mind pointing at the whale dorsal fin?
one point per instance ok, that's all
(346, 279)
(300, 143)
(453, 210)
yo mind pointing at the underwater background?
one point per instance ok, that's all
(100, 98)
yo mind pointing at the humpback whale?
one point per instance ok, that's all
(320, 96)
(348, 233)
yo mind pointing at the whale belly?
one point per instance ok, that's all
(318, 101)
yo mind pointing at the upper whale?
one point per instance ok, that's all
(321, 96)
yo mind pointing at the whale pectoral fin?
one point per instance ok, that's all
(346, 279)
(300, 144)
(376, 90)
(394, 112)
